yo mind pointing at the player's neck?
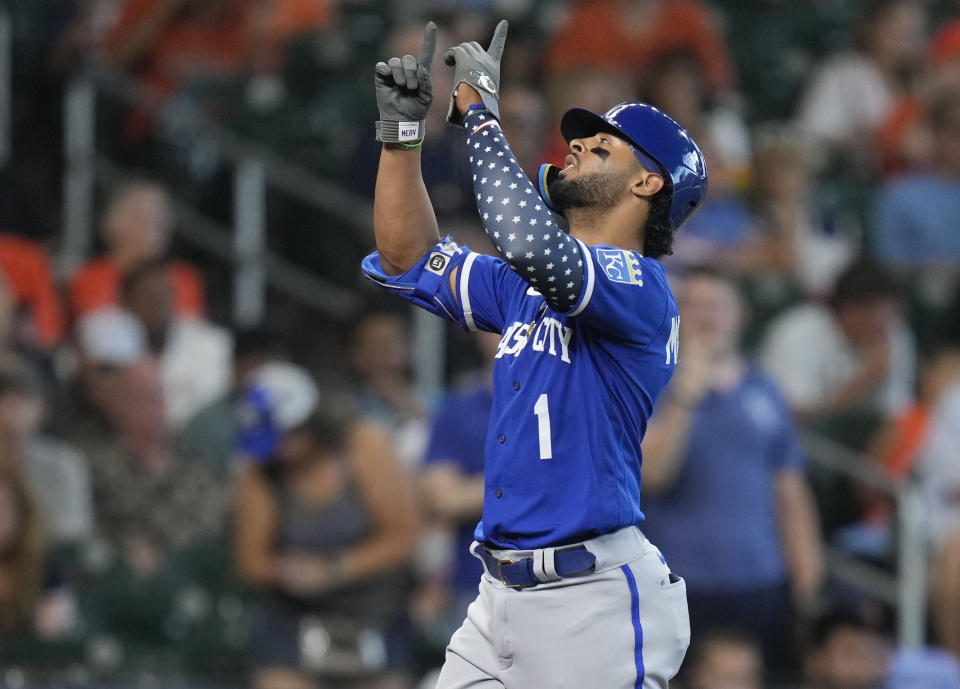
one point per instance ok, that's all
(616, 227)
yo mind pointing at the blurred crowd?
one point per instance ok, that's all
(190, 503)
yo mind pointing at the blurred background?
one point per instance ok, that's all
(226, 461)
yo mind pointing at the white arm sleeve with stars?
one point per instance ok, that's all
(517, 220)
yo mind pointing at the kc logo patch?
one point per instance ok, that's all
(437, 263)
(620, 265)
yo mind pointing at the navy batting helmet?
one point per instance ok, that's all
(658, 136)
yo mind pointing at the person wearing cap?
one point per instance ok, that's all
(324, 523)
(573, 594)
(152, 502)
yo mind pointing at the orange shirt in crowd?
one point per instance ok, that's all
(900, 150)
(288, 17)
(219, 44)
(898, 452)
(183, 46)
(97, 284)
(26, 270)
(596, 35)
(906, 441)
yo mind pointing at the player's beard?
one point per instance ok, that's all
(598, 190)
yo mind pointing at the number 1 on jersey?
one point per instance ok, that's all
(542, 410)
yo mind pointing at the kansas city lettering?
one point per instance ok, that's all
(549, 335)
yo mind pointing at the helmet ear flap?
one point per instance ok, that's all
(545, 177)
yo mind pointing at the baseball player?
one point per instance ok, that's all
(573, 595)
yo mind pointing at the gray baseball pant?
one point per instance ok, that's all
(624, 626)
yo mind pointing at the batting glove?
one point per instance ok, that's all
(480, 69)
(405, 92)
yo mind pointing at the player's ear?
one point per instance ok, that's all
(646, 184)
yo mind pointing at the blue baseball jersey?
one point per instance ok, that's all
(577, 371)
(572, 391)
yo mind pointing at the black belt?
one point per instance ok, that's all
(519, 573)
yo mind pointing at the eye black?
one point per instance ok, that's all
(601, 152)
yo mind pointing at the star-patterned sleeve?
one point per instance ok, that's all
(516, 219)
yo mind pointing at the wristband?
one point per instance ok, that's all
(411, 132)
(411, 146)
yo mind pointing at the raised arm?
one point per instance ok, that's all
(404, 222)
(514, 216)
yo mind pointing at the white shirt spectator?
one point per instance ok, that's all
(195, 368)
(807, 354)
(195, 365)
(846, 97)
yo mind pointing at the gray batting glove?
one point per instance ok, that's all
(405, 92)
(480, 69)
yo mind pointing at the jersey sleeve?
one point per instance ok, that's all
(517, 220)
(624, 294)
(484, 290)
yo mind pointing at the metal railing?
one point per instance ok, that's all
(243, 245)
(906, 589)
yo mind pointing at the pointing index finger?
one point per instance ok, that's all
(499, 39)
(428, 47)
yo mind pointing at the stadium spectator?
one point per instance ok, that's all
(793, 241)
(56, 473)
(847, 647)
(723, 659)
(108, 340)
(854, 354)
(25, 268)
(324, 522)
(22, 549)
(135, 228)
(627, 37)
(905, 141)
(211, 433)
(379, 357)
(170, 45)
(151, 502)
(852, 92)
(167, 42)
(899, 445)
(453, 480)
(915, 217)
(723, 472)
(194, 355)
